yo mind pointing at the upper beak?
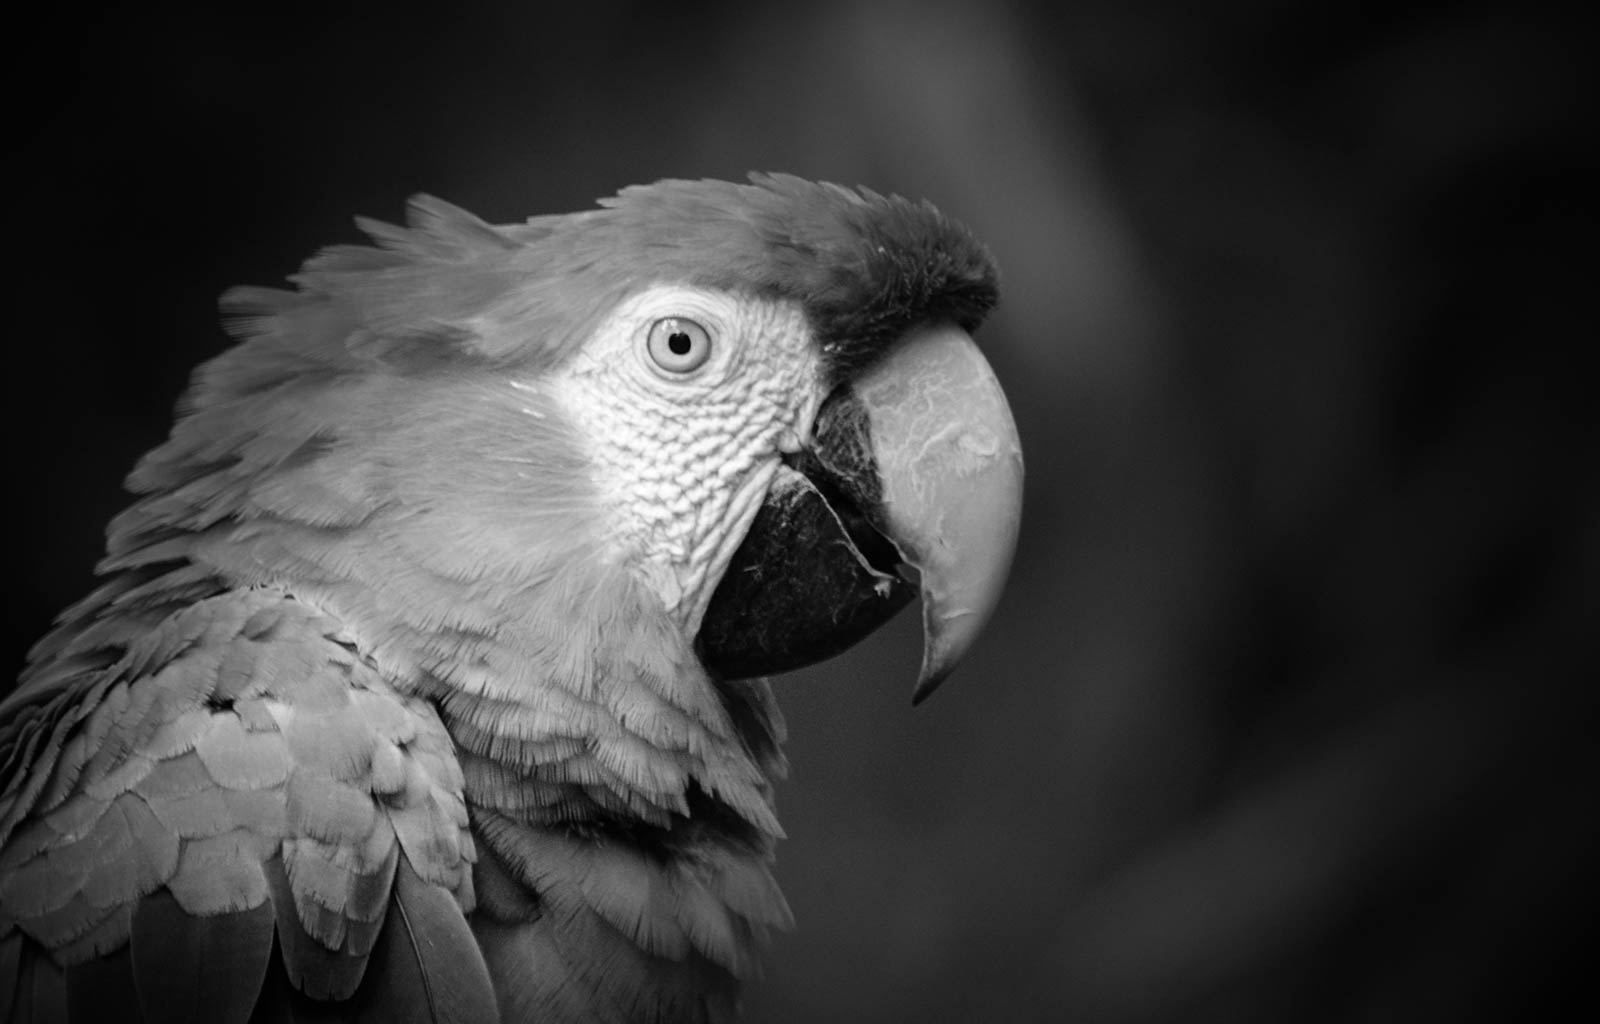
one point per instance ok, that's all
(949, 468)
(915, 460)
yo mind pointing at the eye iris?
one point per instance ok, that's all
(678, 345)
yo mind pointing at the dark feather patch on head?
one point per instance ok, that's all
(864, 267)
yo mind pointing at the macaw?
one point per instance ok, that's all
(427, 677)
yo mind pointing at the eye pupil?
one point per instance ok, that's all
(680, 344)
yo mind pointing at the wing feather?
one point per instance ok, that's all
(427, 967)
(102, 990)
(188, 968)
(314, 968)
(10, 970)
(46, 1000)
(238, 782)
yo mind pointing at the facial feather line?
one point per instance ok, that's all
(684, 464)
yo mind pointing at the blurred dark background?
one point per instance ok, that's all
(1284, 717)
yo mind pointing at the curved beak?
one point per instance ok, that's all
(914, 461)
(950, 475)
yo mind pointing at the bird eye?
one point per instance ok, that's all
(678, 344)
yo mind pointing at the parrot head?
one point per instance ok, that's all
(760, 402)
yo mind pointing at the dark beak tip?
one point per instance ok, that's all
(928, 682)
